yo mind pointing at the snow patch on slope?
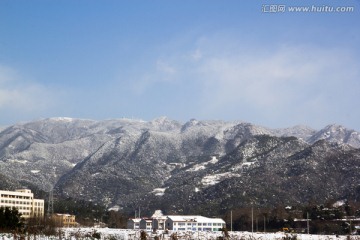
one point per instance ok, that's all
(18, 161)
(159, 191)
(209, 180)
(202, 166)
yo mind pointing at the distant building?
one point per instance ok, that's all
(158, 221)
(64, 220)
(193, 223)
(133, 223)
(146, 223)
(24, 201)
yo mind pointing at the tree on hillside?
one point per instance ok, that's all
(10, 218)
(87, 213)
(116, 219)
(348, 209)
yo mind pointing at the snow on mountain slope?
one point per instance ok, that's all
(126, 160)
(337, 133)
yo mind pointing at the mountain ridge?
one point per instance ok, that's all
(127, 163)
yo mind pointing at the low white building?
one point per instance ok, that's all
(193, 223)
(146, 223)
(24, 201)
(158, 220)
(133, 223)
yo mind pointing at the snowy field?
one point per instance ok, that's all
(125, 234)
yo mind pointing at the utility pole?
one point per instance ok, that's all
(231, 221)
(252, 219)
(264, 224)
(307, 219)
(50, 209)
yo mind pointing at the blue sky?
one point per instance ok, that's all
(204, 59)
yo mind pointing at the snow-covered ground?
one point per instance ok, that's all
(126, 234)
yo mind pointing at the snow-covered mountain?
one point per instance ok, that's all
(174, 166)
(337, 133)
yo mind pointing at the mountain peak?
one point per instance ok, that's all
(337, 133)
(61, 119)
(164, 124)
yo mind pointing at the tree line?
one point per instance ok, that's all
(322, 218)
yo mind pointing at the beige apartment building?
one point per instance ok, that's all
(64, 220)
(24, 201)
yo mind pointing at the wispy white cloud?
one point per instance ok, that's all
(165, 68)
(7, 74)
(22, 97)
(196, 55)
(161, 71)
(288, 84)
(26, 98)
